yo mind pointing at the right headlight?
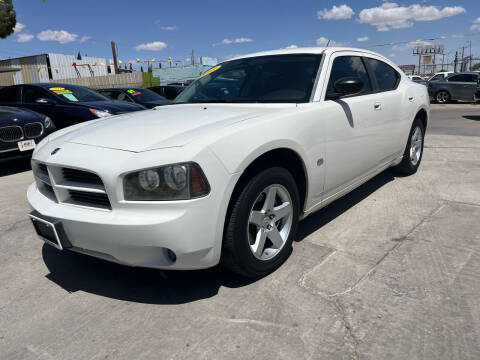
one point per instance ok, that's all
(172, 182)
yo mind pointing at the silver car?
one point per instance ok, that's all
(458, 86)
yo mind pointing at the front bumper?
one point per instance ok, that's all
(141, 233)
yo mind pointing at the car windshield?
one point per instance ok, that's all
(144, 95)
(76, 93)
(264, 79)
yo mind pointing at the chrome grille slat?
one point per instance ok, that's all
(33, 130)
(11, 133)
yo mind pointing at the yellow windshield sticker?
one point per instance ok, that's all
(57, 89)
(211, 70)
(60, 90)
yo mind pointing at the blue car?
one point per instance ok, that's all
(65, 104)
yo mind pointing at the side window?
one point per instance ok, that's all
(32, 94)
(349, 66)
(10, 95)
(471, 78)
(456, 78)
(387, 77)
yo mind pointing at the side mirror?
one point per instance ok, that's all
(45, 101)
(346, 86)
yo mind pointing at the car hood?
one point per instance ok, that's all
(17, 116)
(152, 104)
(113, 106)
(166, 126)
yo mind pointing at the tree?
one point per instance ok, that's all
(8, 18)
(79, 57)
(476, 67)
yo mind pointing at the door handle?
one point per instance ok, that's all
(377, 106)
(411, 98)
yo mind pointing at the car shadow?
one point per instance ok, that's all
(472, 117)
(77, 272)
(14, 166)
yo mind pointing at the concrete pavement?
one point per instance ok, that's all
(389, 271)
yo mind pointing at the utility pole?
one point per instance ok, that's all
(470, 42)
(443, 62)
(462, 67)
(419, 63)
(193, 57)
(114, 55)
(455, 62)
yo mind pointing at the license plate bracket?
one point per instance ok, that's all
(50, 230)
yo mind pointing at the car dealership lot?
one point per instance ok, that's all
(389, 271)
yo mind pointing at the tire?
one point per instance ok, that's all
(412, 156)
(252, 220)
(443, 97)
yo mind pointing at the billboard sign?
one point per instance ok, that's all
(428, 49)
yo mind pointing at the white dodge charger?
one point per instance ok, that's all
(224, 174)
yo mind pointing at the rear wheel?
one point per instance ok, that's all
(414, 149)
(442, 97)
(262, 224)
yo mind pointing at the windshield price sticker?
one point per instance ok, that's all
(211, 70)
(60, 90)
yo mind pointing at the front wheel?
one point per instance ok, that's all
(412, 155)
(262, 224)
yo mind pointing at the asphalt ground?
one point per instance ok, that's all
(390, 271)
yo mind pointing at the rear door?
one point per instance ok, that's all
(396, 108)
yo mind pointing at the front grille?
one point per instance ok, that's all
(80, 176)
(88, 198)
(33, 130)
(71, 186)
(11, 133)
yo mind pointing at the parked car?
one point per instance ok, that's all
(440, 75)
(168, 91)
(458, 86)
(144, 97)
(417, 79)
(226, 173)
(65, 104)
(21, 130)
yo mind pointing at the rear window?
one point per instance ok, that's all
(387, 77)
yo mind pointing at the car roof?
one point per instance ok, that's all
(307, 50)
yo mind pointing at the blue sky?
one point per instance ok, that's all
(225, 28)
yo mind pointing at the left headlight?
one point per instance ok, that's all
(48, 122)
(100, 113)
(172, 182)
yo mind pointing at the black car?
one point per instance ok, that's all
(144, 97)
(65, 104)
(21, 130)
(168, 91)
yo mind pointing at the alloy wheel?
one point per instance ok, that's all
(270, 222)
(442, 97)
(416, 146)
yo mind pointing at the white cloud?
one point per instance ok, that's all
(243, 40)
(410, 45)
(458, 36)
(23, 38)
(392, 16)
(476, 24)
(152, 46)
(392, 55)
(362, 39)
(84, 38)
(19, 28)
(62, 36)
(293, 46)
(323, 41)
(168, 28)
(231, 56)
(341, 12)
(238, 40)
